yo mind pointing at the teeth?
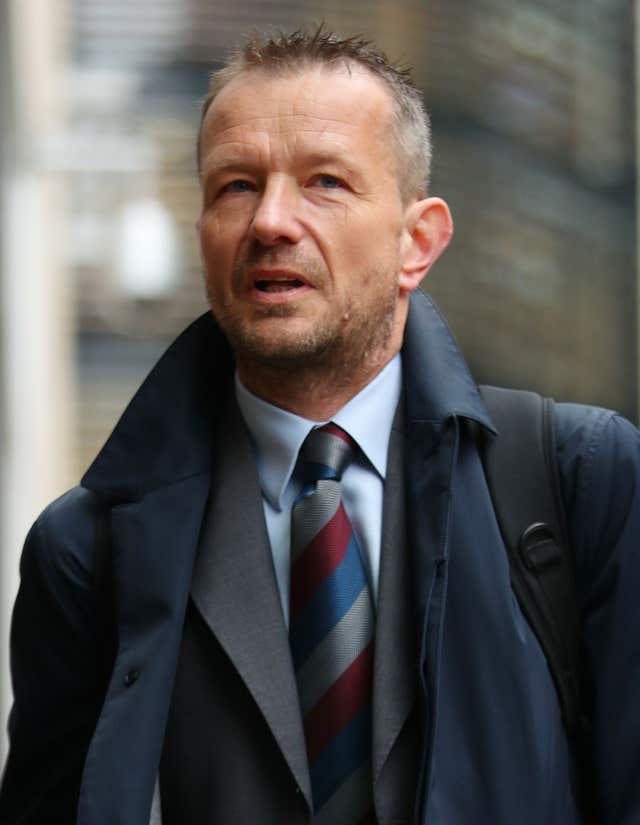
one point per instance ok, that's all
(277, 286)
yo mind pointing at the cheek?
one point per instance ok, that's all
(218, 240)
(359, 243)
(372, 255)
(347, 233)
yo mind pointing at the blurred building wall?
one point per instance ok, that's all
(534, 136)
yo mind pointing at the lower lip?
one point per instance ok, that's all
(280, 297)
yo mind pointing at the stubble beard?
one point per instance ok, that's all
(346, 342)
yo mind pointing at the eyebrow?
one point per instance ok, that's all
(249, 163)
(228, 163)
(316, 158)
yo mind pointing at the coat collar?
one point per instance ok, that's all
(165, 434)
(438, 384)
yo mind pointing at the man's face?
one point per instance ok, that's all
(302, 219)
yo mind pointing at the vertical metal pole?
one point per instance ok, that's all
(636, 10)
(7, 149)
(35, 335)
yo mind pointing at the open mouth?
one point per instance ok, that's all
(279, 285)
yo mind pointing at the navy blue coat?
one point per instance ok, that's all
(494, 747)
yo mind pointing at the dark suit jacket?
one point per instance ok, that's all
(493, 750)
(234, 747)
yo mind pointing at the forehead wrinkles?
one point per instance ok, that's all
(312, 102)
(284, 140)
(317, 117)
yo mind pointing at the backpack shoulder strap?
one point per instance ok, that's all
(523, 477)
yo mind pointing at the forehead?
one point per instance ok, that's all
(333, 106)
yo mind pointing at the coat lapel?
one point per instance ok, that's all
(153, 543)
(395, 675)
(234, 588)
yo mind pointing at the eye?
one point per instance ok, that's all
(236, 186)
(328, 182)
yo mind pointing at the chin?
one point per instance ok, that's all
(289, 353)
(282, 348)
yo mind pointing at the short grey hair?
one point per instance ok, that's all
(282, 53)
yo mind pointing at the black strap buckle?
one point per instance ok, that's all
(539, 547)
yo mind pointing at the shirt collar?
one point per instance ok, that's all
(278, 435)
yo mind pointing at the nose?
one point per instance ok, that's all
(276, 218)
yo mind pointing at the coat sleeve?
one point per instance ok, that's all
(57, 665)
(599, 454)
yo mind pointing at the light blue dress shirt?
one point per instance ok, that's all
(277, 436)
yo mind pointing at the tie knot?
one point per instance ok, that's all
(325, 453)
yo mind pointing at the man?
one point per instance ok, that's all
(261, 616)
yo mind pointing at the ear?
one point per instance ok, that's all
(428, 230)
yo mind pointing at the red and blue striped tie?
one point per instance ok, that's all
(331, 635)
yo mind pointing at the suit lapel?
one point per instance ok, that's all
(394, 665)
(155, 818)
(234, 588)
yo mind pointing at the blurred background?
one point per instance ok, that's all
(534, 113)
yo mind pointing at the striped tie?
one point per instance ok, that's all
(331, 635)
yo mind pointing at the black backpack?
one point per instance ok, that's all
(522, 473)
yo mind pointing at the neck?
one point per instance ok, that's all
(308, 391)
